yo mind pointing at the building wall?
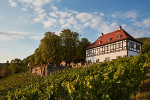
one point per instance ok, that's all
(111, 55)
(132, 48)
(131, 53)
(113, 50)
(46, 70)
(110, 51)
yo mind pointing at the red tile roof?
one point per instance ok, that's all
(113, 36)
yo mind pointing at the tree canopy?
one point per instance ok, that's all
(145, 47)
(57, 48)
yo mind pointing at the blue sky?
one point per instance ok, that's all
(24, 22)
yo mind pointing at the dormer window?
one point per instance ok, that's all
(109, 39)
(99, 42)
(99, 38)
(117, 32)
(119, 36)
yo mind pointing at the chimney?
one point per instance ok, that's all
(120, 27)
(101, 34)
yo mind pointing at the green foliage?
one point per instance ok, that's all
(55, 49)
(142, 39)
(5, 71)
(32, 60)
(116, 80)
(16, 65)
(83, 44)
(70, 42)
(38, 56)
(50, 48)
(145, 47)
(26, 60)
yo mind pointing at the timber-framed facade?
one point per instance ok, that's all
(112, 45)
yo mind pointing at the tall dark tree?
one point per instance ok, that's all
(51, 48)
(84, 43)
(16, 65)
(38, 56)
(69, 41)
(32, 60)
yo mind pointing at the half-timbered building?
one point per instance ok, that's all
(111, 46)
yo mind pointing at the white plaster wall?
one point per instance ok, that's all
(131, 53)
(111, 55)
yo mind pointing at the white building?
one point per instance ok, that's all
(112, 45)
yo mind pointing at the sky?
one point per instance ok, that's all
(23, 23)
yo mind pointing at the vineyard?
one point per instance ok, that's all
(119, 79)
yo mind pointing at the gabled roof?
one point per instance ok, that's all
(112, 36)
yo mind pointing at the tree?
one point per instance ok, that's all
(16, 65)
(145, 47)
(69, 41)
(5, 70)
(84, 43)
(32, 60)
(38, 56)
(26, 60)
(51, 48)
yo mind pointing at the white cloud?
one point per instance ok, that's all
(50, 22)
(40, 18)
(96, 21)
(83, 17)
(144, 24)
(24, 9)
(41, 2)
(67, 25)
(72, 20)
(101, 14)
(26, 1)
(12, 3)
(130, 14)
(39, 10)
(12, 35)
(87, 24)
(135, 33)
(62, 21)
(36, 37)
(62, 14)
(54, 8)
(53, 14)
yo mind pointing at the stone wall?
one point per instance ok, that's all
(46, 69)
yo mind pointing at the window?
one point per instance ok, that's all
(117, 32)
(99, 42)
(109, 39)
(88, 52)
(116, 45)
(132, 45)
(131, 55)
(97, 60)
(89, 61)
(106, 48)
(107, 59)
(137, 47)
(119, 36)
(91, 51)
(119, 45)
